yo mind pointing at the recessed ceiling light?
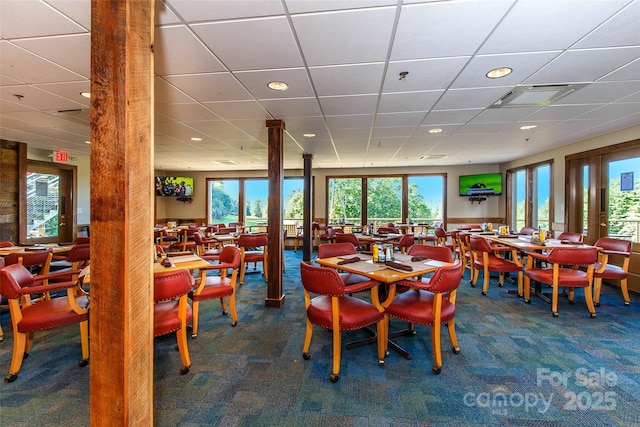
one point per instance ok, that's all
(86, 94)
(527, 127)
(195, 138)
(497, 73)
(309, 135)
(276, 85)
(435, 130)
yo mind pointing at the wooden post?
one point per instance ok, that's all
(275, 297)
(121, 313)
(307, 212)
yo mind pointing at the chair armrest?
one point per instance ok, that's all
(55, 274)
(621, 253)
(46, 288)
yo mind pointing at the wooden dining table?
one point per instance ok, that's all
(388, 275)
(526, 243)
(56, 248)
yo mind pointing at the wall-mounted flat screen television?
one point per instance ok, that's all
(177, 186)
(483, 184)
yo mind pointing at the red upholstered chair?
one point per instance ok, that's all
(171, 312)
(78, 257)
(404, 243)
(208, 249)
(16, 284)
(571, 237)
(164, 239)
(438, 253)
(487, 258)
(253, 248)
(353, 239)
(388, 230)
(38, 263)
(299, 237)
(432, 303)
(470, 227)
(564, 272)
(466, 255)
(186, 240)
(353, 282)
(331, 308)
(526, 231)
(612, 248)
(429, 235)
(211, 287)
(445, 239)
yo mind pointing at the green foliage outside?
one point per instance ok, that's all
(623, 205)
(222, 204)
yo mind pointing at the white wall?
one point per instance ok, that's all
(558, 156)
(169, 207)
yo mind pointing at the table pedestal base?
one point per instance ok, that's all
(409, 332)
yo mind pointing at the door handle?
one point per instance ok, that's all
(603, 224)
(62, 224)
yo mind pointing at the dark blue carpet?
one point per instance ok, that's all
(519, 366)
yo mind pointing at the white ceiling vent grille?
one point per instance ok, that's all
(225, 162)
(78, 115)
(535, 96)
(433, 157)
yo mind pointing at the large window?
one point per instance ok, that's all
(419, 198)
(425, 198)
(256, 201)
(223, 201)
(247, 201)
(345, 200)
(529, 197)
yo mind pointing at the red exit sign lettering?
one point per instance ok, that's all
(60, 157)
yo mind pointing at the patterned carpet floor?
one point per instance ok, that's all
(518, 366)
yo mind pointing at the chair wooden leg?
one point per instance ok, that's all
(307, 340)
(520, 283)
(195, 310)
(435, 345)
(223, 306)
(242, 267)
(84, 341)
(527, 289)
(588, 292)
(485, 276)
(597, 288)
(554, 300)
(452, 336)
(19, 344)
(232, 307)
(337, 347)
(183, 347)
(382, 341)
(625, 291)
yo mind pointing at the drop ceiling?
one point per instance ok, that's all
(379, 83)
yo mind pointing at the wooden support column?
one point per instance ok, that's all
(121, 313)
(275, 297)
(307, 212)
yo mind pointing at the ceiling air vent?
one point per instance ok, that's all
(433, 157)
(225, 162)
(536, 95)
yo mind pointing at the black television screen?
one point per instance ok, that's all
(483, 184)
(177, 186)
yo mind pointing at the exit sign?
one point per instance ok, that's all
(60, 157)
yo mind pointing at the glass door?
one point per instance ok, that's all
(621, 180)
(48, 215)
